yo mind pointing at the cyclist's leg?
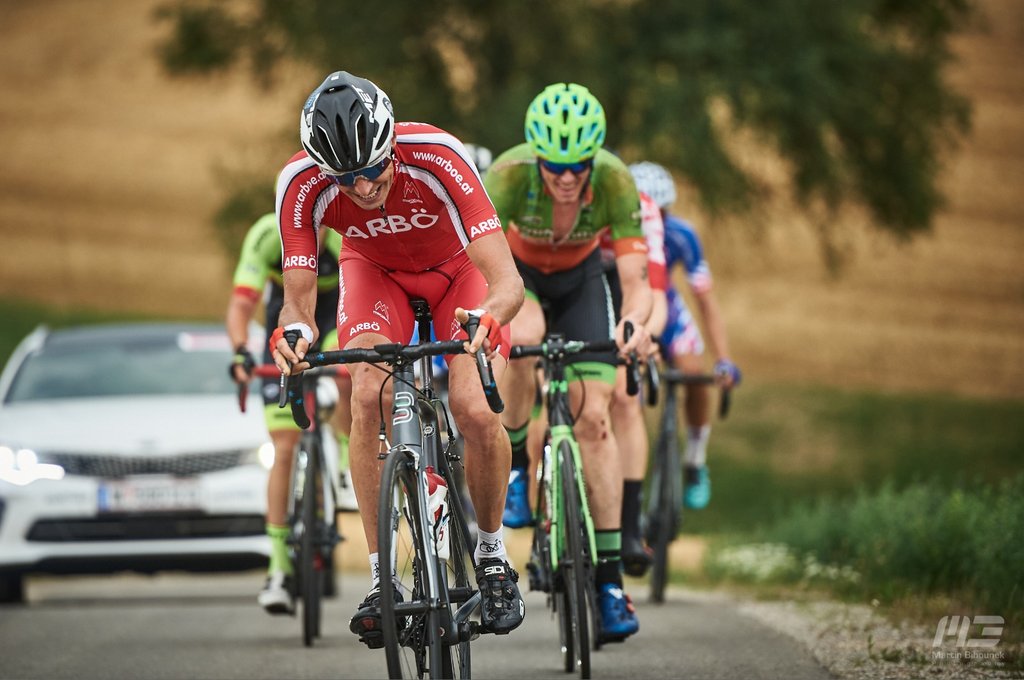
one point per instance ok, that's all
(631, 433)
(603, 473)
(590, 402)
(277, 595)
(487, 455)
(518, 389)
(587, 314)
(687, 350)
(372, 309)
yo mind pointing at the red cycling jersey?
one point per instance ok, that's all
(436, 206)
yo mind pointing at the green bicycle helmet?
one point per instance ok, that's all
(565, 124)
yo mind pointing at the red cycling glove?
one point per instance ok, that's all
(492, 326)
(278, 334)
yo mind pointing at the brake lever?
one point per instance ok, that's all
(288, 393)
(483, 367)
(633, 367)
(653, 379)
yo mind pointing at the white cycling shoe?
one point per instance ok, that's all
(277, 596)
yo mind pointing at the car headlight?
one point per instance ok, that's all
(21, 467)
(263, 455)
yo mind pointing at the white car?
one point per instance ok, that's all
(123, 447)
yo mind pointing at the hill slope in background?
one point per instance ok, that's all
(112, 172)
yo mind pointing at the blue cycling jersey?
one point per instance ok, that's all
(682, 246)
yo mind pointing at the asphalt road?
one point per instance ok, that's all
(180, 626)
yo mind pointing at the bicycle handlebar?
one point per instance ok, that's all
(674, 376)
(385, 353)
(555, 345)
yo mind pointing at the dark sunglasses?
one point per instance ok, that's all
(370, 172)
(575, 168)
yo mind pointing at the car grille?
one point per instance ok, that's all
(99, 465)
(148, 527)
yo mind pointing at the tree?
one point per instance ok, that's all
(849, 94)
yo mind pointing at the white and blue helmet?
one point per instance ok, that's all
(655, 181)
(481, 155)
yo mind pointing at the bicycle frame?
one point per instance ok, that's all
(560, 424)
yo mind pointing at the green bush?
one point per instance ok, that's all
(920, 539)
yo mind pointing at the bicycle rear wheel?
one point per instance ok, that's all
(411, 628)
(574, 566)
(310, 558)
(663, 512)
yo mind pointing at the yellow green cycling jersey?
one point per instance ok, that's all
(524, 206)
(260, 260)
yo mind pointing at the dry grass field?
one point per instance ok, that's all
(111, 173)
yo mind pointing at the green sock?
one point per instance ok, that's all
(342, 450)
(280, 560)
(609, 556)
(517, 437)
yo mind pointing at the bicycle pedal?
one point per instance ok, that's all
(373, 640)
(368, 630)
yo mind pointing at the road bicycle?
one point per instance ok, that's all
(429, 618)
(664, 514)
(563, 553)
(313, 495)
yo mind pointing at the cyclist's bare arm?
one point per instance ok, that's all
(241, 309)
(299, 307)
(659, 313)
(715, 326)
(636, 299)
(492, 257)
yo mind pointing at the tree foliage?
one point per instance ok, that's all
(851, 95)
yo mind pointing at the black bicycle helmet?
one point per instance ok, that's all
(346, 123)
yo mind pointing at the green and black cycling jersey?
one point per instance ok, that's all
(525, 208)
(260, 261)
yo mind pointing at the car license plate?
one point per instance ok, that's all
(146, 494)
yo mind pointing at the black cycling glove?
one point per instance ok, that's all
(243, 357)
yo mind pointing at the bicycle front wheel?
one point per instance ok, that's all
(574, 567)
(411, 626)
(458, 580)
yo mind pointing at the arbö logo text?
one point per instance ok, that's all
(392, 224)
(365, 326)
(308, 261)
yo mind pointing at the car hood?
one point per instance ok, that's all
(154, 425)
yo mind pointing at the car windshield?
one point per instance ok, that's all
(169, 363)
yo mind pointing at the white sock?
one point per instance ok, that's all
(374, 569)
(489, 545)
(697, 445)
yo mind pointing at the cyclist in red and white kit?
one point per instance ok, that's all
(416, 222)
